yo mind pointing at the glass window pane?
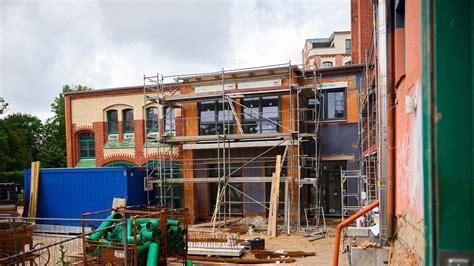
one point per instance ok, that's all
(251, 108)
(331, 102)
(225, 114)
(339, 105)
(170, 123)
(250, 127)
(268, 127)
(127, 120)
(207, 111)
(207, 129)
(112, 120)
(270, 107)
(152, 118)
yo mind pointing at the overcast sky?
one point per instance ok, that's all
(47, 44)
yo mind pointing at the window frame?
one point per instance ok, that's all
(259, 120)
(323, 66)
(109, 122)
(324, 105)
(124, 121)
(348, 47)
(88, 145)
(147, 117)
(216, 122)
(172, 118)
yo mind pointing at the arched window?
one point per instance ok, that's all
(112, 121)
(127, 117)
(327, 64)
(348, 63)
(152, 119)
(86, 145)
(120, 164)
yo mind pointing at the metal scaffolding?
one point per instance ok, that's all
(169, 135)
(368, 125)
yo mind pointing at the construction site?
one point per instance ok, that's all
(337, 160)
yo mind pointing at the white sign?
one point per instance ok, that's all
(211, 88)
(261, 83)
(334, 85)
(129, 136)
(113, 136)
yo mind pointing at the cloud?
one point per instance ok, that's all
(45, 45)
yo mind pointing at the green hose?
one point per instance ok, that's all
(96, 236)
(153, 253)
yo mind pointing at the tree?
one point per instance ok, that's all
(53, 152)
(3, 105)
(20, 141)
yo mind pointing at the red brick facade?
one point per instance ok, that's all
(361, 28)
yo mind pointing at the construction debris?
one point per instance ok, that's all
(240, 260)
(264, 254)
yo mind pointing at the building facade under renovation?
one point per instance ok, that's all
(212, 139)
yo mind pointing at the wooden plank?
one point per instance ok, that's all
(274, 197)
(270, 209)
(34, 188)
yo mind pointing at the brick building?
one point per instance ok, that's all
(328, 52)
(241, 116)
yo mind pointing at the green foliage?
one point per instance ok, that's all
(53, 153)
(3, 105)
(24, 138)
(12, 177)
(20, 141)
(62, 256)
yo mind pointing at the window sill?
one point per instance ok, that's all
(119, 145)
(334, 121)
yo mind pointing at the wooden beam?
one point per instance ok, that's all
(274, 198)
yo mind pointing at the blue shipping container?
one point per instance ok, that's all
(71, 192)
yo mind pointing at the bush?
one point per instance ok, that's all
(14, 176)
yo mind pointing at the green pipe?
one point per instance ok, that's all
(96, 236)
(158, 235)
(153, 224)
(141, 249)
(173, 222)
(148, 235)
(131, 240)
(153, 253)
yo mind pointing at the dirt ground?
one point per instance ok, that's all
(297, 242)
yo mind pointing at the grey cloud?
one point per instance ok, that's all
(45, 45)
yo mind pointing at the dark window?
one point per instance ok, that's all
(170, 120)
(127, 116)
(348, 63)
(269, 169)
(212, 116)
(86, 145)
(334, 104)
(260, 114)
(348, 46)
(152, 119)
(235, 197)
(112, 121)
(327, 64)
(313, 109)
